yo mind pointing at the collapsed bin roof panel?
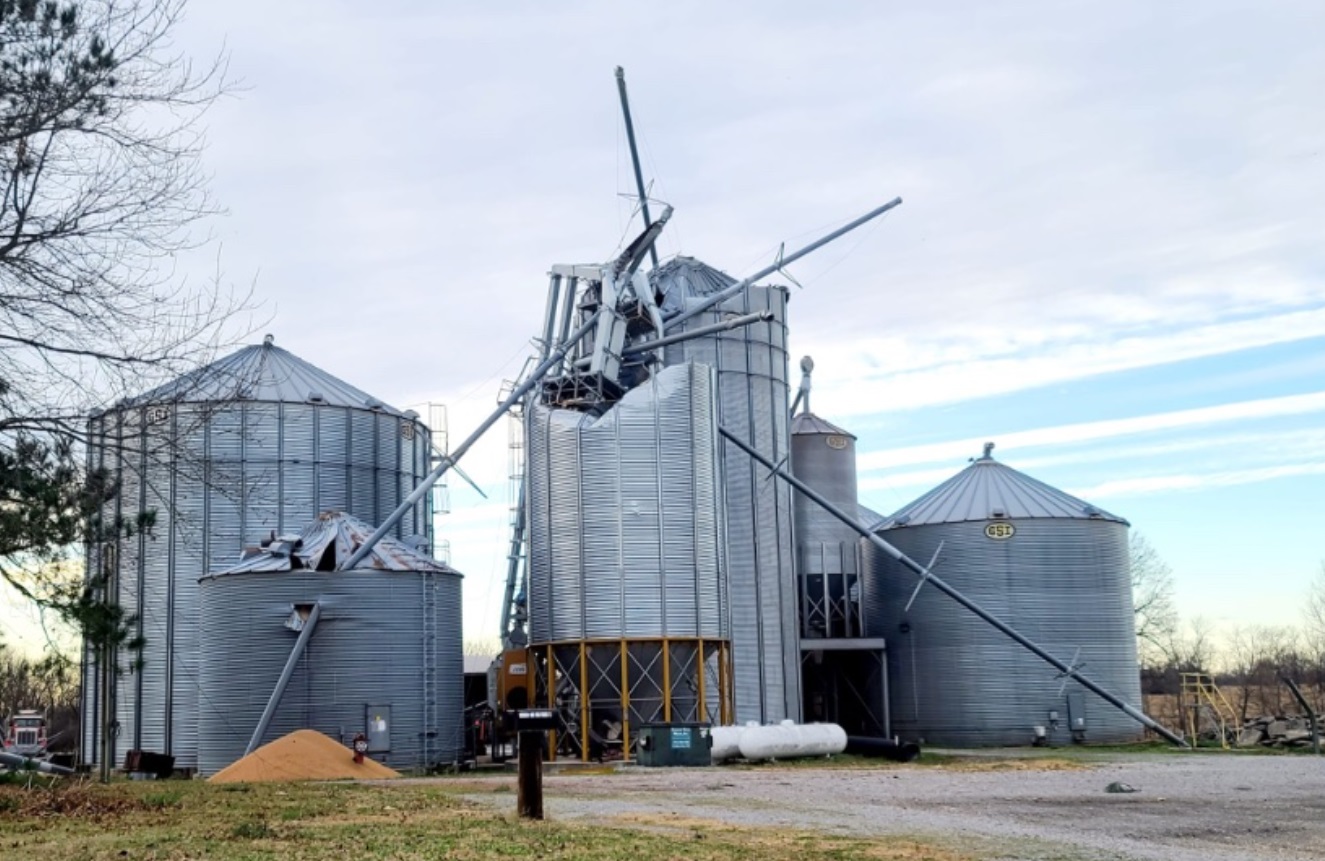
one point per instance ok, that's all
(329, 540)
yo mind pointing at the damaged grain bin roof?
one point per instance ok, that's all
(327, 541)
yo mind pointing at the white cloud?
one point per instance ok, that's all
(893, 374)
(1180, 482)
(956, 450)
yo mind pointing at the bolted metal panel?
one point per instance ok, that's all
(1062, 582)
(624, 516)
(753, 401)
(220, 471)
(369, 648)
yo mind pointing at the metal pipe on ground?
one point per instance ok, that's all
(23, 763)
(724, 295)
(535, 376)
(885, 747)
(279, 691)
(927, 576)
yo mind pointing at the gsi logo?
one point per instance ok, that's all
(1000, 531)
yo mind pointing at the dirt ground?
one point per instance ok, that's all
(1187, 805)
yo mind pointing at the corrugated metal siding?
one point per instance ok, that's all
(624, 524)
(369, 648)
(219, 477)
(955, 680)
(751, 363)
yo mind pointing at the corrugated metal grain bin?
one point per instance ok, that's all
(258, 440)
(625, 524)
(1053, 567)
(823, 456)
(751, 363)
(384, 658)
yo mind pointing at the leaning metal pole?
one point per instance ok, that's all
(634, 157)
(724, 295)
(305, 634)
(535, 376)
(23, 763)
(925, 576)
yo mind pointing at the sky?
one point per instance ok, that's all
(1108, 262)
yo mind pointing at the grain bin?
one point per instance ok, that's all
(627, 586)
(828, 552)
(751, 365)
(258, 440)
(1050, 565)
(384, 658)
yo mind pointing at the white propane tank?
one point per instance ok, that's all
(789, 740)
(726, 742)
(821, 739)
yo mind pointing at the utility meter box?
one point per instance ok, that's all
(673, 744)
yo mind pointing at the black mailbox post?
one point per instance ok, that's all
(531, 725)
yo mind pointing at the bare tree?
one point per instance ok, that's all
(1157, 621)
(101, 187)
(1258, 654)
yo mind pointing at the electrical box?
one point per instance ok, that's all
(377, 728)
(1076, 714)
(674, 744)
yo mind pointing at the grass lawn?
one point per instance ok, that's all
(193, 819)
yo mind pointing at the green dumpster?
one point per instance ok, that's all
(664, 744)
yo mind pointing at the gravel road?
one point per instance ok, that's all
(1195, 807)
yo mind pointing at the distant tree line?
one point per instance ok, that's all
(1247, 662)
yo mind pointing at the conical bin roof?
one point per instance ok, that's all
(988, 489)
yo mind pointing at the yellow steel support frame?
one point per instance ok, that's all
(706, 649)
(551, 699)
(703, 666)
(625, 702)
(667, 681)
(584, 704)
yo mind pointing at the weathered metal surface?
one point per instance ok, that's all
(753, 398)
(625, 523)
(220, 473)
(1061, 581)
(381, 633)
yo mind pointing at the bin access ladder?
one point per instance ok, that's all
(1201, 694)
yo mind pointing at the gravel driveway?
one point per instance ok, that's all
(1188, 807)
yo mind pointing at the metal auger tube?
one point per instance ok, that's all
(920, 570)
(535, 376)
(724, 295)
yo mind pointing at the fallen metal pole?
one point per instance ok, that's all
(23, 763)
(1066, 669)
(668, 340)
(431, 478)
(279, 691)
(634, 157)
(1306, 707)
(724, 295)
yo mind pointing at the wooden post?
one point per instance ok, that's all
(529, 782)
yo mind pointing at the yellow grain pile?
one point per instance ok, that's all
(304, 754)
